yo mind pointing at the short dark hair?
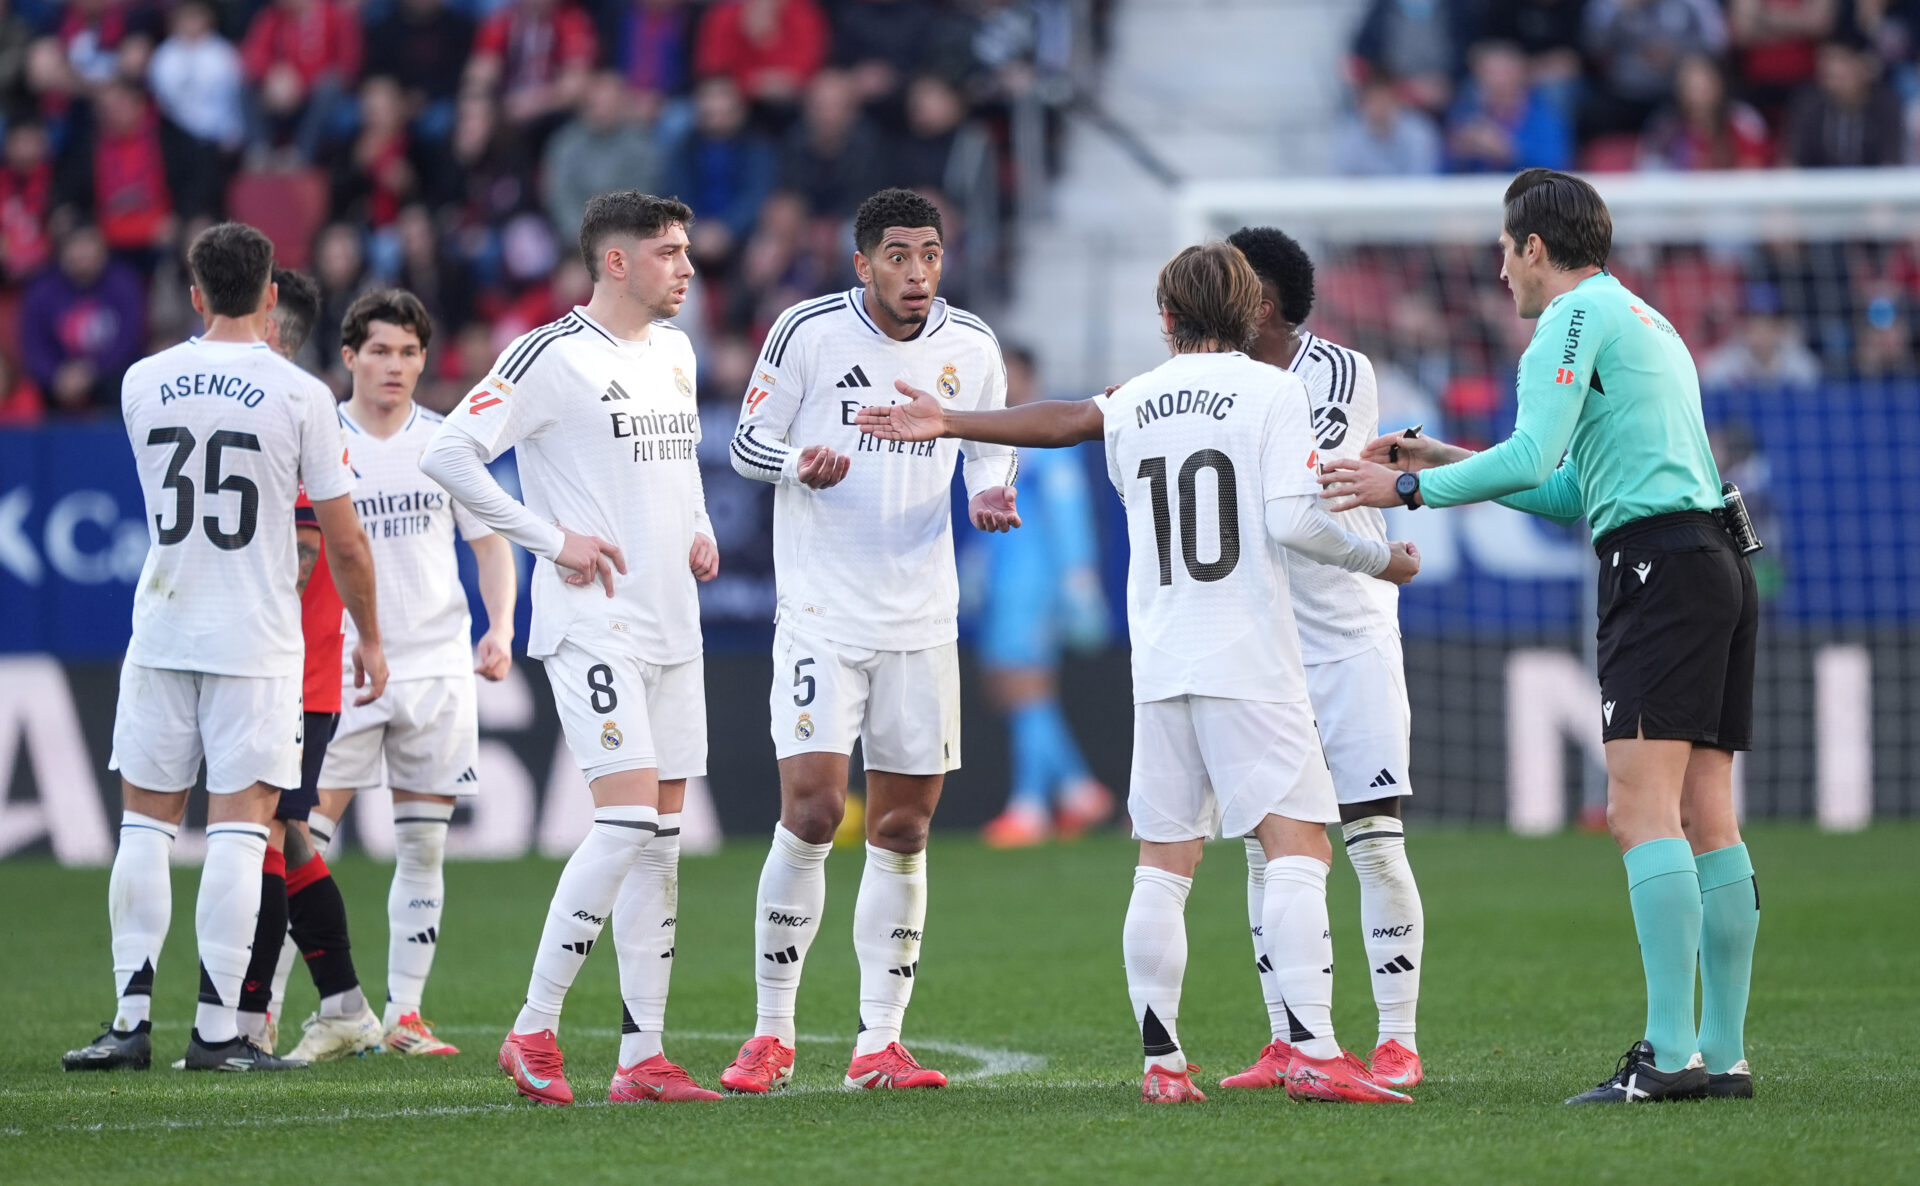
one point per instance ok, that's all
(231, 264)
(1567, 214)
(892, 207)
(1280, 261)
(626, 212)
(297, 309)
(1213, 295)
(395, 306)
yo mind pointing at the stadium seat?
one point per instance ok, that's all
(289, 205)
(1611, 154)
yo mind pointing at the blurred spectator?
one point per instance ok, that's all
(831, 153)
(724, 170)
(1774, 43)
(880, 41)
(1502, 122)
(610, 145)
(116, 175)
(375, 174)
(943, 148)
(340, 268)
(1766, 350)
(535, 55)
(16, 42)
(1419, 42)
(769, 48)
(1017, 46)
(1547, 31)
(1848, 117)
(26, 202)
(1883, 341)
(98, 40)
(197, 81)
(1637, 46)
(1705, 128)
(785, 262)
(431, 272)
(82, 323)
(650, 43)
(1383, 137)
(303, 58)
(20, 403)
(423, 45)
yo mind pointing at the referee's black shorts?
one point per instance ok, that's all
(297, 803)
(1679, 616)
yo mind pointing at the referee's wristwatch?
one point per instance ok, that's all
(1407, 486)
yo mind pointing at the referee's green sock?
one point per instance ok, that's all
(1730, 900)
(1665, 890)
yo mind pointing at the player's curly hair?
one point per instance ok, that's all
(1280, 261)
(892, 207)
(395, 306)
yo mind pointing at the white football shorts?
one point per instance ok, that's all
(428, 730)
(248, 728)
(903, 706)
(1206, 767)
(622, 713)
(1365, 722)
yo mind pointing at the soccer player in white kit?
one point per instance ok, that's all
(865, 642)
(224, 432)
(598, 408)
(1350, 641)
(423, 737)
(1224, 737)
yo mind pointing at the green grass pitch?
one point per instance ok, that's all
(1532, 988)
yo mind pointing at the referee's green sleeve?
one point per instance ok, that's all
(1557, 498)
(1551, 387)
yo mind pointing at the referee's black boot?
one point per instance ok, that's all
(114, 1050)
(1637, 1081)
(240, 1054)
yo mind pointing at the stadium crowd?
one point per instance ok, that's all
(448, 146)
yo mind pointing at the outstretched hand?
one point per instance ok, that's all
(992, 509)
(1347, 484)
(919, 419)
(821, 467)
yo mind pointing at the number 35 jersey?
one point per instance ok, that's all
(1196, 447)
(224, 434)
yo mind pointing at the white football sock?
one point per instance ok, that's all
(414, 902)
(1391, 921)
(793, 892)
(1257, 924)
(320, 830)
(223, 922)
(645, 920)
(581, 903)
(888, 916)
(289, 955)
(1301, 948)
(139, 908)
(1154, 943)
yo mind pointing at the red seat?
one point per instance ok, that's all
(288, 206)
(1611, 154)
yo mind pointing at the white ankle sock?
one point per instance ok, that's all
(1301, 949)
(223, 923)
(581, 903)
(793, 892)
(139, 908)
(888, 918)
(1154, 942)
(645, 919)
(1257, 925)
(320, 831)
(1392, 921)
(414, 902)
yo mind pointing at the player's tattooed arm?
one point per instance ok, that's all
(1044, 424)
(307, 541)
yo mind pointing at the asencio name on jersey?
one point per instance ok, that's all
(202, 383)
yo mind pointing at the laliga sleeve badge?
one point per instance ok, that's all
(610, 735)
(948, 383)
(803, 728)
(681, 381)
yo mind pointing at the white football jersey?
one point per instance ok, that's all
(1196, 447)
(604, 433)
(1341, 613)
(868, 562)
(224, 434)
(425, 628)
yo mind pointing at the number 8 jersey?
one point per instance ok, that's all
(1196, 447)
(224, 434)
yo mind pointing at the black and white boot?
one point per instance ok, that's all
(114, 1050)
(1638, 1081)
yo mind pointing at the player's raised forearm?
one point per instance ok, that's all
(1043, 424)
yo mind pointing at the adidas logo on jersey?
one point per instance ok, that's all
(584, 947)
(467, 775)
(1395, 966)
(1384, 779)
(854, 378)
(614, 391)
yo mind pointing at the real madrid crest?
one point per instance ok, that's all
(681, 381)
(803, 728)
(948, 383)
(610, 735)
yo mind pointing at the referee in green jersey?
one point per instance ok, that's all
(1609, 427)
